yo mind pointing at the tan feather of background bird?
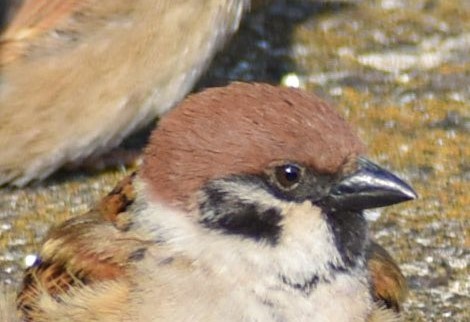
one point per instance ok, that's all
(78, 76)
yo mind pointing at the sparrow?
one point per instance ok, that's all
(78, 76)
(248, 207)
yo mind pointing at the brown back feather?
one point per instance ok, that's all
(389, 286)
(68, 259)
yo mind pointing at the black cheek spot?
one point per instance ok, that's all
(252, 223)
(229, 214)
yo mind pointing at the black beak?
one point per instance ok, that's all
(369, 187)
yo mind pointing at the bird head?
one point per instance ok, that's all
(270, 175)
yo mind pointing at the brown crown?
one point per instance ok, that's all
(242, 128)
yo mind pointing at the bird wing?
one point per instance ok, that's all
(389, 288)
(32, 19)
(70, 266)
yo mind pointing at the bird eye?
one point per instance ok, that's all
(288, 175)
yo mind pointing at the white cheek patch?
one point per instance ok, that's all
(306, 236)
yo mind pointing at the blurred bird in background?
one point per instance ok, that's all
(79, 76)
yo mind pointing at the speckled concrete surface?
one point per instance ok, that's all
(397, 69)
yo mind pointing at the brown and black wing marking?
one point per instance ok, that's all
(389, 287)
(68, 258)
